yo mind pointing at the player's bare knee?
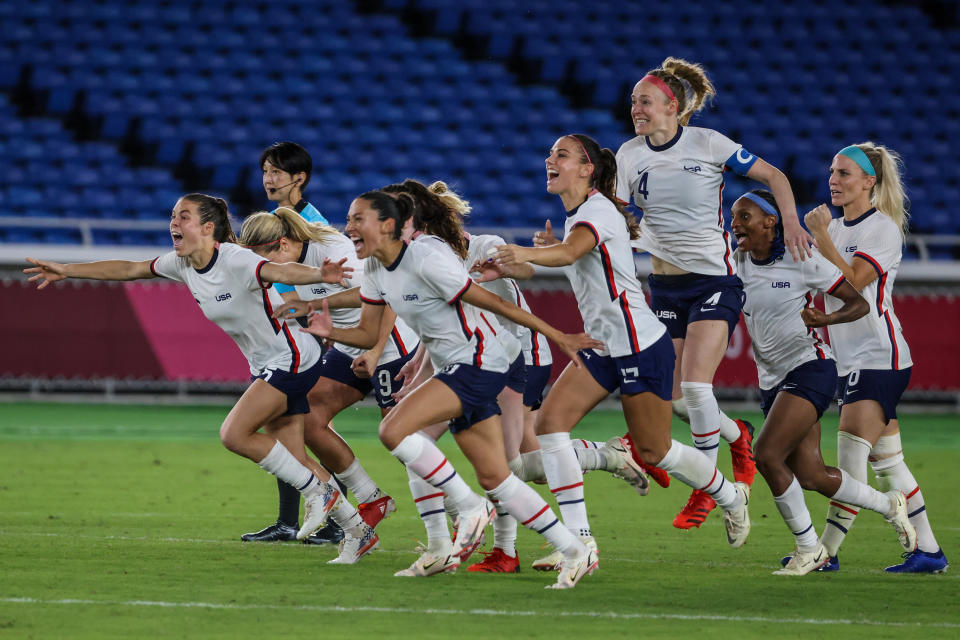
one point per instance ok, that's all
(230, 439)
(388, 434)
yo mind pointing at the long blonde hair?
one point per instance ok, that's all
(888, 194)
(263, 228)
(689, 83)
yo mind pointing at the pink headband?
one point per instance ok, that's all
(582, 148)
(659, 84)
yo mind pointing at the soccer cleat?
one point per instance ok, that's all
(373, 513)
(330, 533)
(921, 562)
(496, 561)
(741, 450)
(574, 568)
(900, 521)
(430, 564)
(696, 510)
(470, 526)
(737, 520)
(801, 563)
(277, 532)
(316, 506)
(627, 468)
(658, 475)
(549, 562)
(832, 564)
(356, 544)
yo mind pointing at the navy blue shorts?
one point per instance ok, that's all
(680, 300)
(517, 375)
(814, 381)
(477, 390)
(295, 385)
(882, 385)
(339, 366)
(650, 370)
(537, 378)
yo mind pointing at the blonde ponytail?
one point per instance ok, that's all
(888, 194)
(689, 83)
(264, 228)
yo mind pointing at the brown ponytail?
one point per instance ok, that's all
(438, 212)
(689, 83)
(604, 177)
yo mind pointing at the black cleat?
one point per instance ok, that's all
(277, 532)
(329, 534)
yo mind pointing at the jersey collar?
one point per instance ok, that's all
(665, 145)
(210, 264)
(573, 211)
(850, 223)
(303, 251)
(396, 263)
(300, 206)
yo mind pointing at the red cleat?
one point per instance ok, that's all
(496, 561)
(741, 450)
(373, 513)
(657, 474)
(695, 512)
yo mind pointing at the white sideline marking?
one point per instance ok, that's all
(613, 615)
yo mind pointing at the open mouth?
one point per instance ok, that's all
(552, 174)
(177, 238)
(357, 243)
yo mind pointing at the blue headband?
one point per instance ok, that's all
(763, 204)
(856, 154)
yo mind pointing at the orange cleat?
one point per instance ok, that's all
(496, 561)
(695, 512)
(376, 511)
(741, 450)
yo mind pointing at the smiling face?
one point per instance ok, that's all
(565, 167)
(188, 233)
(753, 228)
(651, 110)
(368, 232)
(849, 184)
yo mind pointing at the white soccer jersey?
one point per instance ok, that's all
(232, 295)
(534, 345)
(605, 284)
(876, 340)
(424, 286)
(679, 187)
(777, 292)
(402, 339)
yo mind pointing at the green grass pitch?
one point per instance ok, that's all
(124, 522)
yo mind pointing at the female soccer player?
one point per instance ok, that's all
(427, 285)
(873, 358)
(232, 285)
(348, 374)
(798, 377)
(637, 356)
(674, 174)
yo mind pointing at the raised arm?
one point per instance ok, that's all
(859, 273)
(340, 300)
(568, 343)
(295, 273)
(854, 307)
(795, 238)
(46, 271)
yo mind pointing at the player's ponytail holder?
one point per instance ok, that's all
(856, 154)
(659, 84)
(763, 204)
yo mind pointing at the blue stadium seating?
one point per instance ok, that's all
(173, 88)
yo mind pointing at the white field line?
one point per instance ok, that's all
(611, 615)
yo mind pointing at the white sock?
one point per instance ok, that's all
(852, 453)
(345, 515)
(692, 467)
(729, 430)
(505, 531)
(427, 461)
(704, 417)
(590, 459)
(526, 505)
(356, 480)
(794, 511)
(528, 467)
(285, 466)
(892, 473)
(429, 502)
(565, 479)
(854, 492)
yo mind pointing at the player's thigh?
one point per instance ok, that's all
(258, 405)
(678, 367)
(864, 419)
(482, 444)
(787, 424)
(572, 396)
(428, 404)
(511, 404)
(649, 418)
(703, 350)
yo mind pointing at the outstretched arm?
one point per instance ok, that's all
(568, 343)
(296, 273)
(578, 243)
(795, 238)
(46, 271)
(364, 335)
